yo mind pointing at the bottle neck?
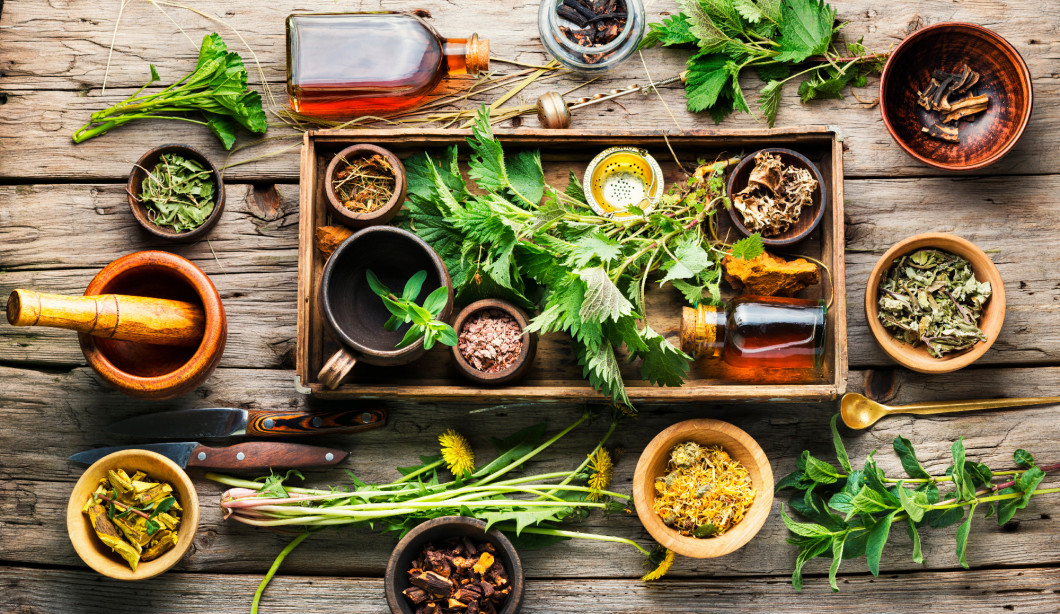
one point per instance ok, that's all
(466, 56)
(702, 331)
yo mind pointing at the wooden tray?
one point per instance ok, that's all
(556, 374)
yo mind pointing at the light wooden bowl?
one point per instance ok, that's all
(916, 357)
(93, 551)
(740, 446)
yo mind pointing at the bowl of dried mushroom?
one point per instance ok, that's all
(935, 302)
(956, 96)
(453, 564)
(779, 194)
(365, 186)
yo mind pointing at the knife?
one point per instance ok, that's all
(231, 422)
(248, 456)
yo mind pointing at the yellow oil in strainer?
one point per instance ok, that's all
(621, 177)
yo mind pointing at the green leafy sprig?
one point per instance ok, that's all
(850, 512)
(216, 91)
(781, 40)
(404, 310)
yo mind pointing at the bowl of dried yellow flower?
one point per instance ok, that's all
(703, 488)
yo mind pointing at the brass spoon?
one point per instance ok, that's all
(859, 412)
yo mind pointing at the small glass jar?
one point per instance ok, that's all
(573, 56)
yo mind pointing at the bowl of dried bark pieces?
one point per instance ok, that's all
(453, 564)
(494, 346)
(365, 185)
(956, 96)
(779, 194)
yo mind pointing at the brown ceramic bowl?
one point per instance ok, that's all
(916, 357)
(948, 46)
(517, 369)
(147, 370)
(139, 173)
(809, 218)
(94, 552)
(381, 215)
(437, 530)
(740, 446)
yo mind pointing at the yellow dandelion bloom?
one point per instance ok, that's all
(602, 468)
(457, 453)
(664, 566)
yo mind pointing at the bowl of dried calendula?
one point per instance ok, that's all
(779, 194)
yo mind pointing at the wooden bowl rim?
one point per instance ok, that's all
(644, 489)
(818, 215)
(916, 357)
(381, 215)
(513, 371)
(513, 565)
(986, 34)
(110, 564)
(206, 356)
(138, 210)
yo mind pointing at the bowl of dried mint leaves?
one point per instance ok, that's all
(779, 194)
(935, 303)
(176, 193)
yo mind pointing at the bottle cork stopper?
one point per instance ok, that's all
(477, 55)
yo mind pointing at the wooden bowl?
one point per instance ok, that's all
(147, 370)
(916, 357)
(948, 46)
(94, 552)
(517, 369)
(381, 215)
(740, 446)
(139, 210)
(438, 529)
(809, 218)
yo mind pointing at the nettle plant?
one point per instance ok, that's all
(850, 512)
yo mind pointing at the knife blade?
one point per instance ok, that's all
(233, 422)
(248, 456)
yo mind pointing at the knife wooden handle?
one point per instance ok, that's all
(264, 455)
(272, 423)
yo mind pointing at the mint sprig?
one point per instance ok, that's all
(404, 310)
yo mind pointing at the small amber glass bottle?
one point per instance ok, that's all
(341, 65)
(758, 332)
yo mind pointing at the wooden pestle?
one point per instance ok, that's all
(115, 316)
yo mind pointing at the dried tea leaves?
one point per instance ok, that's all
(178, 193)
(775, 195)
(704, 493)
(936, 97)
(932, 297)
(491, 341)
(458, 576)
(598, 23)
(365, 184)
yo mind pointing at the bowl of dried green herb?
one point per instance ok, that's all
(935, 302)
(176, 193)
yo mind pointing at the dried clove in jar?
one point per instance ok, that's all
(458, 576)
(598, 23)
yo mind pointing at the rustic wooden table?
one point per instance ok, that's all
(63, 215)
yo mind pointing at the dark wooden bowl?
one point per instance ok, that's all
(381, 215)
(948, 46)
(139, 173)
(147, 370)
(438, 529)
(916, 357)
(809, 218)
(521, 365)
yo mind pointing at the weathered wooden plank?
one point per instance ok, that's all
(1026, 591)
(50, 75)
(50, 415)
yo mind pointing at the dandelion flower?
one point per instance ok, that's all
(457, 453)
(602, 468)
(663, 567)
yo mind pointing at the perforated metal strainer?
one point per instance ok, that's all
(621, 177)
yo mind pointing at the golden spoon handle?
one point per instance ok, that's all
(939, 407)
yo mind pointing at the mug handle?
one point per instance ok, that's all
(336, 369)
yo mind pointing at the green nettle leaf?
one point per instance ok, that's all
(705, 81)
(708, 36)
(962, 536)
(674, 30)
(910, 528)
(805, 29)
(1023, 458)
(689, 260)
(748, 248)
(904, 449)
(748, 10)
(574, 188)
(769, 101)
(840, 449)
(693, 294)
(877, 538)
(603, 299)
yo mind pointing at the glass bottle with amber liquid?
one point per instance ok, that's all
(341, 65)
(758, 332)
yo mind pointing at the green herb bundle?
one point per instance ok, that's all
(216, 91)
(404, 310)
(779, 39)
(178, 193)
(851, 512)
(516, 237)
